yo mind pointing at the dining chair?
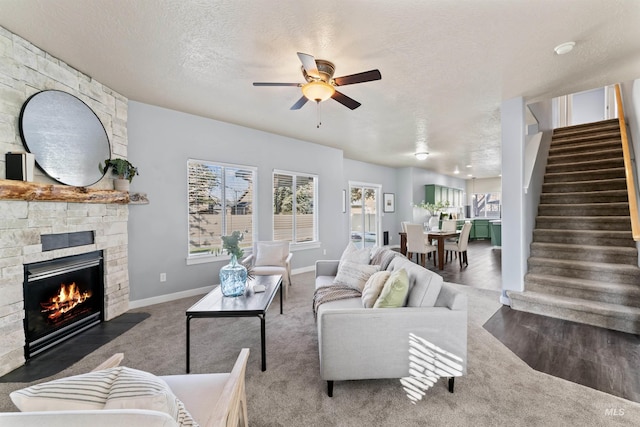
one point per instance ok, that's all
(416, 244)
(459, 247)
(403, 226)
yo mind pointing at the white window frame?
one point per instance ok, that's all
(206, 257)
(316, 206)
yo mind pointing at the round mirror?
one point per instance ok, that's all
(65, 136)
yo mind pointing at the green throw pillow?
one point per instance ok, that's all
(395, 290)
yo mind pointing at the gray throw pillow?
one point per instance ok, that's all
(354, 275)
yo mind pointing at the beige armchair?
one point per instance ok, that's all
(271, 257)
(213, 400)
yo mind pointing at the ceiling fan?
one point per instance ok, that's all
(321, 84)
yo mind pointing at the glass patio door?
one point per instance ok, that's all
(363, 214)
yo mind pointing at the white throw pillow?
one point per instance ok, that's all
(354, 275)
(353, 254)
(271, 253)
(373, 287)
(113, 388)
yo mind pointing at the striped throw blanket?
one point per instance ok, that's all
(332, 293)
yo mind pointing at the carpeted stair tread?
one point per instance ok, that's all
(587, 165)
(590, 253)
(577, 176)
(587, 127)
(584, 156)
(592, 290)
(592, 185)
(619, 223)
(560, 140)
(611, 316)
(601, 196)
(585, 146)
(594, 285)
(630, 270)
(584, 209)
(606, 272)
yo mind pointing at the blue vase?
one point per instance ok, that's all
(233, 278)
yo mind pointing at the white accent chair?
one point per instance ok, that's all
(416, 244)
(213, 400)
(460, 247)
(271, 257)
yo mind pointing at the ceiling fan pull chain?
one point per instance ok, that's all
(319, 116)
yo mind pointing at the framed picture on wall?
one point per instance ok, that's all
(388, 202)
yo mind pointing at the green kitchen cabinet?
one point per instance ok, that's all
(481, 229)
(436, 193)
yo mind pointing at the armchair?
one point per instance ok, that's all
(271, 257)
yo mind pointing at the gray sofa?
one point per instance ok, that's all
(357, 343)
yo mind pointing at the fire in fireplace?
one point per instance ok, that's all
(63, 297)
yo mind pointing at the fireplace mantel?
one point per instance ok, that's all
(35, 191)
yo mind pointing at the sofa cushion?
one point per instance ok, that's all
(424, 285)
(353, 254)
(113, 388)
(395, 290)
(354, 275)
(373, 287)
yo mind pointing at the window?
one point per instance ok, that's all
(220, 202)
(294, 218)
(486, 205)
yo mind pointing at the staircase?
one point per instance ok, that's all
(583, 264)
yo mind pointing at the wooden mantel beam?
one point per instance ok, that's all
(35, 191)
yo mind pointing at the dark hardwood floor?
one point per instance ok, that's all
(595, 357)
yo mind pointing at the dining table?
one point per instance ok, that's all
(437, 235)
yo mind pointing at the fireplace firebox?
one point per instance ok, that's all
(62, 298)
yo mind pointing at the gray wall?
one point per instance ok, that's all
(161, 141)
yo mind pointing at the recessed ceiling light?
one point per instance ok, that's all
(469, 175)
(422, 155)
(457, 171)
(563, 48)
(468, 166)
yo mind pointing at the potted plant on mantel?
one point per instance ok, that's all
(124, 171)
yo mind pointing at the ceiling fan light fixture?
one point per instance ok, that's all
(422, 155)
(318, 90)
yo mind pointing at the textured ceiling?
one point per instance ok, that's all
(446, 64)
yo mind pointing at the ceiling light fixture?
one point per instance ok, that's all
(563, 48)
(456, 171)
(318, 90)
(422, 155)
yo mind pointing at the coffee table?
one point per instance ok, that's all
(251, 304)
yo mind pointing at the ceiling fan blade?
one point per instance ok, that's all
(345, 100)
(366, 76)
(298, 105)
(309, 64)
(276, 84)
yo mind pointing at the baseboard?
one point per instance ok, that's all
(193, 292)
(301, 270)
(169, 297)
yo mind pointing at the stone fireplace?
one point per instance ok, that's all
(21, 244)
(49, 209)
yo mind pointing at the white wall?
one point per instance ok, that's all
(161, 141)
(588, 106)
(512, 113)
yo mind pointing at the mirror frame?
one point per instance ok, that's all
(66, 137)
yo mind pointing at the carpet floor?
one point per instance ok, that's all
(498, 390)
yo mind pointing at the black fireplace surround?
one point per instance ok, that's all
(62, 297)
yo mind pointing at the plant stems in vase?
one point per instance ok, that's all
(233, 276)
